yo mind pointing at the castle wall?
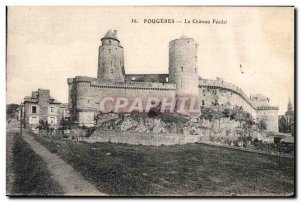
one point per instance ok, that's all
(135, 138)
(89, 93)
(219, 92)
(270, 116)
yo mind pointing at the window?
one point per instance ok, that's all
(132, 78)
(167, 79)
(109, 42)
(109, 50)
(110, 63)
(52, 110)
(111, 71)
(181, 69)
(195, 70)
(33, 120)
(203, 102)
(33, 109)
(52, 120)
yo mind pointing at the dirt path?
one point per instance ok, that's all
(70, 180)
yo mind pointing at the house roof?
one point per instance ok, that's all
(34, 99)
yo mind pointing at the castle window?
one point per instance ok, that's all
(167, 79)
(109, 50)
(111, 71)
(132, 78)
(120, 62)
(110, 63)
(181, 69)
(109, 42)
(195, 70)
(203, 102)
(33, 109)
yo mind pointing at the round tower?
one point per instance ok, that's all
(111, 58)
(183, 71)
(183, 68)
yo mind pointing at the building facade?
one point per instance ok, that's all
(183, 78)
(40, 106)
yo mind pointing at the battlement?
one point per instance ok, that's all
(267, 108)
(228, 86)
(182, 41)
(98, 83)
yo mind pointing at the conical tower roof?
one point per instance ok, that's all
(111, 35)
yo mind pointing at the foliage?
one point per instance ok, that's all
(217, 112)
(11, 110)
(261, 125)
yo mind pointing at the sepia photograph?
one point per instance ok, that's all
(150, 101)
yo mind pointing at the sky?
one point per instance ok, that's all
(47, 45)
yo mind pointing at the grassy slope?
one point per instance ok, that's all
(31, 174)
(192, 169)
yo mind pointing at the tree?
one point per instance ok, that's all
(217, 114)
(206, 113)
(238, 114)
(11, 110)
(227, 112)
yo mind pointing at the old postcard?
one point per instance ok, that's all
(150, 101)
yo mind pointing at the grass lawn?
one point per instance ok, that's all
(31, 174)
(192, 169)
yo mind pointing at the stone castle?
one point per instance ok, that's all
(85, 93)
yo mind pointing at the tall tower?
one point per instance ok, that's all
(183, 68)
(111, 58)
